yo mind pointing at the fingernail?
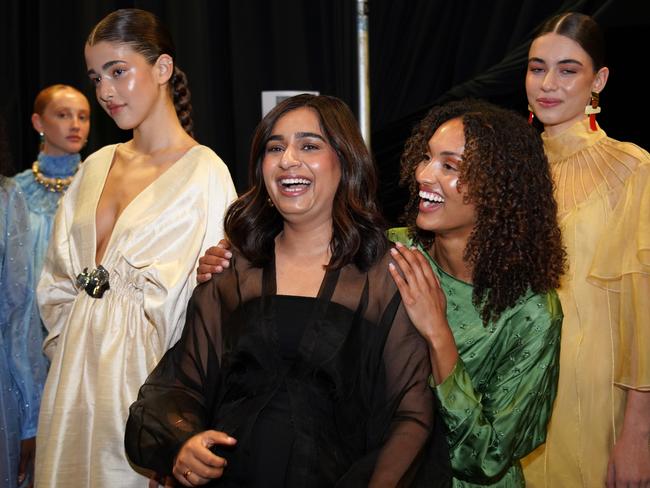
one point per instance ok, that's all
(393, 250)
(399, 244)
(228, 254)
(391, 265)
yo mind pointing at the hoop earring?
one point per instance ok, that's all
(592, 109)
(531, 115)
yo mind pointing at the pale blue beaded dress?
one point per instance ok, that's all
(33, 222)
(22, 365)
(42, 202)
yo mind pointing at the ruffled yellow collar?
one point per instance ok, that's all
(574, 139)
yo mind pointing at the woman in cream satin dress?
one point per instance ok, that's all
(119, 270)
(600, 427)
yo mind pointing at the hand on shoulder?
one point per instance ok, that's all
(215, 260)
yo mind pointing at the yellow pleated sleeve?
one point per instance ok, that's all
(622, 264)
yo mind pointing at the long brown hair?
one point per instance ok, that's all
(251, 223)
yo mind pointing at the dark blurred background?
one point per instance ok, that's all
(422, 52)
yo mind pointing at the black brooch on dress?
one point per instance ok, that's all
(94, 282)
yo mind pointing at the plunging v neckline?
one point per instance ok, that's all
(126, 209)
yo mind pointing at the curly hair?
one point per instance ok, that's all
(516, 243)
(358, 228)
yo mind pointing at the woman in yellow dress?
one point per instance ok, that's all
(600, 428)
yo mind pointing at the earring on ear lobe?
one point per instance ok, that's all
(41, 140)
(592, 109)
(270, 202)
(531, 115)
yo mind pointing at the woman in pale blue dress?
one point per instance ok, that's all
(22, 365)
(29, 202)
(62, 118)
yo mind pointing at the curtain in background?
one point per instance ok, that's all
(230, 50)
(439, 51)
(422, 52)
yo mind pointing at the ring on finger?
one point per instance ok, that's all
(187, 473)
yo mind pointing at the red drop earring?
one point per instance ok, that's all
(592, 109)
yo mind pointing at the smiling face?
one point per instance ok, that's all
(300, 168)
(559, 81)
(442, 208)
(126, 85)
(65, 122)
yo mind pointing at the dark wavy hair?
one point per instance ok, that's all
(516, 243)
(147, 35)
(251, 223)
(580, 28)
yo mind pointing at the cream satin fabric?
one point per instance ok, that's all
(603, 196)
(103, 349)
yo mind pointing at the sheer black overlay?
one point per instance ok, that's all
(325, 391)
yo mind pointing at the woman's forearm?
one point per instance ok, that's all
(442, 353)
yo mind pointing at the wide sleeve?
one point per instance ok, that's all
(190, 228)
(20, 323)
(56, 289)
(489, 431)
(406, 446)
(413, 451)
(622, 264)
(176, 400)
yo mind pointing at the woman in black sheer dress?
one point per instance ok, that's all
(298, 366)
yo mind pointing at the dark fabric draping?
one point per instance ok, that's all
(336, 384)
(230, 51)
(435, 52)
(422, 52)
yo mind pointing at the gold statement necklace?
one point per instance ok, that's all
(52, 184)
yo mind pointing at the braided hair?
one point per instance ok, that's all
(147, 35)
(182, 99)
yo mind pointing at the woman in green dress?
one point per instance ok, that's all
(478, 265)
